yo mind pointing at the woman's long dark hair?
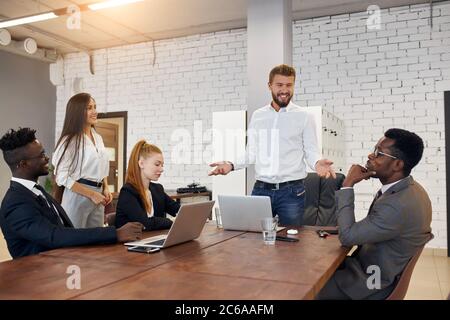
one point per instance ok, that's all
(73, 128)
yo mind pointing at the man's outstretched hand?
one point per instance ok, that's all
(223, 168)
(324, 168)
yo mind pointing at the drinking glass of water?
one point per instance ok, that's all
(269, 230)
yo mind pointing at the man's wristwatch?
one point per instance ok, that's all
(232, 165)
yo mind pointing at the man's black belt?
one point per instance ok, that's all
(276, 186)
(90, 183)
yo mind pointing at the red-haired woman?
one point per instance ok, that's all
(141, 200)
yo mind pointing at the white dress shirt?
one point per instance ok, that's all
(94, 167)
(280, 144)
(30, 185)
(385, 187)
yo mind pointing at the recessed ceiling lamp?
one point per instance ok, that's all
(60, 12)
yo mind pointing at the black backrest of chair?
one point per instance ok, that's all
(312, 197)
(320, 201)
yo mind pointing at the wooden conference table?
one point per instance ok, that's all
(218, 265)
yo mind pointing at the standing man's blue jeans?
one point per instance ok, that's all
(288, 202)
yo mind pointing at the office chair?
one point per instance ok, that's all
(110, 218)
(402, 284)
(320, 208)
(110, 214)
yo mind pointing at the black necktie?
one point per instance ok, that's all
(379, 193)
(49, 202)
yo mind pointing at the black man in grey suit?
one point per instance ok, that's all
(396, 227)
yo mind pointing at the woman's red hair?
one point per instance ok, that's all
(142, 149)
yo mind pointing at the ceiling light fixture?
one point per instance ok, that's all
(29, 45)
(60, 12)
(110, 4)
(27, 19)
(5, 37)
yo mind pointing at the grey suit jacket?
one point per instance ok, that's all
(397, 225)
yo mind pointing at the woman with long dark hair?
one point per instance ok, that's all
(140, 199)
(82, 165)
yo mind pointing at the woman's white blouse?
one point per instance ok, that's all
(94, 167)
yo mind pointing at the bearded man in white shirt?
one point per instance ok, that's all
(281, 141)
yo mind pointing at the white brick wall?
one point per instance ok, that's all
(372, 79)
(193, 76)
(378, 79)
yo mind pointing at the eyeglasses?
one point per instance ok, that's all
(378, 153)
(43, 155)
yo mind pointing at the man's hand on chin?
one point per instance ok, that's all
(356, 174)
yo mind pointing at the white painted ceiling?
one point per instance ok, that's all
(155, 19)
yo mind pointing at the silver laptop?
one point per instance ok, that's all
(187, 226)
(244, 213)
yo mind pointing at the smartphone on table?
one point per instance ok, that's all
(143, 249)
(288, 239)
(323, 233)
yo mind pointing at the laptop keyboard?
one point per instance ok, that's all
(157, 242)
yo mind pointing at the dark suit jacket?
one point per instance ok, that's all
(130, 208)
(396, 227)
(30, 226)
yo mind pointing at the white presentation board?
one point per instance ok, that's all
(229, 139)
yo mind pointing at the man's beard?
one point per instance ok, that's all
(280, 103)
